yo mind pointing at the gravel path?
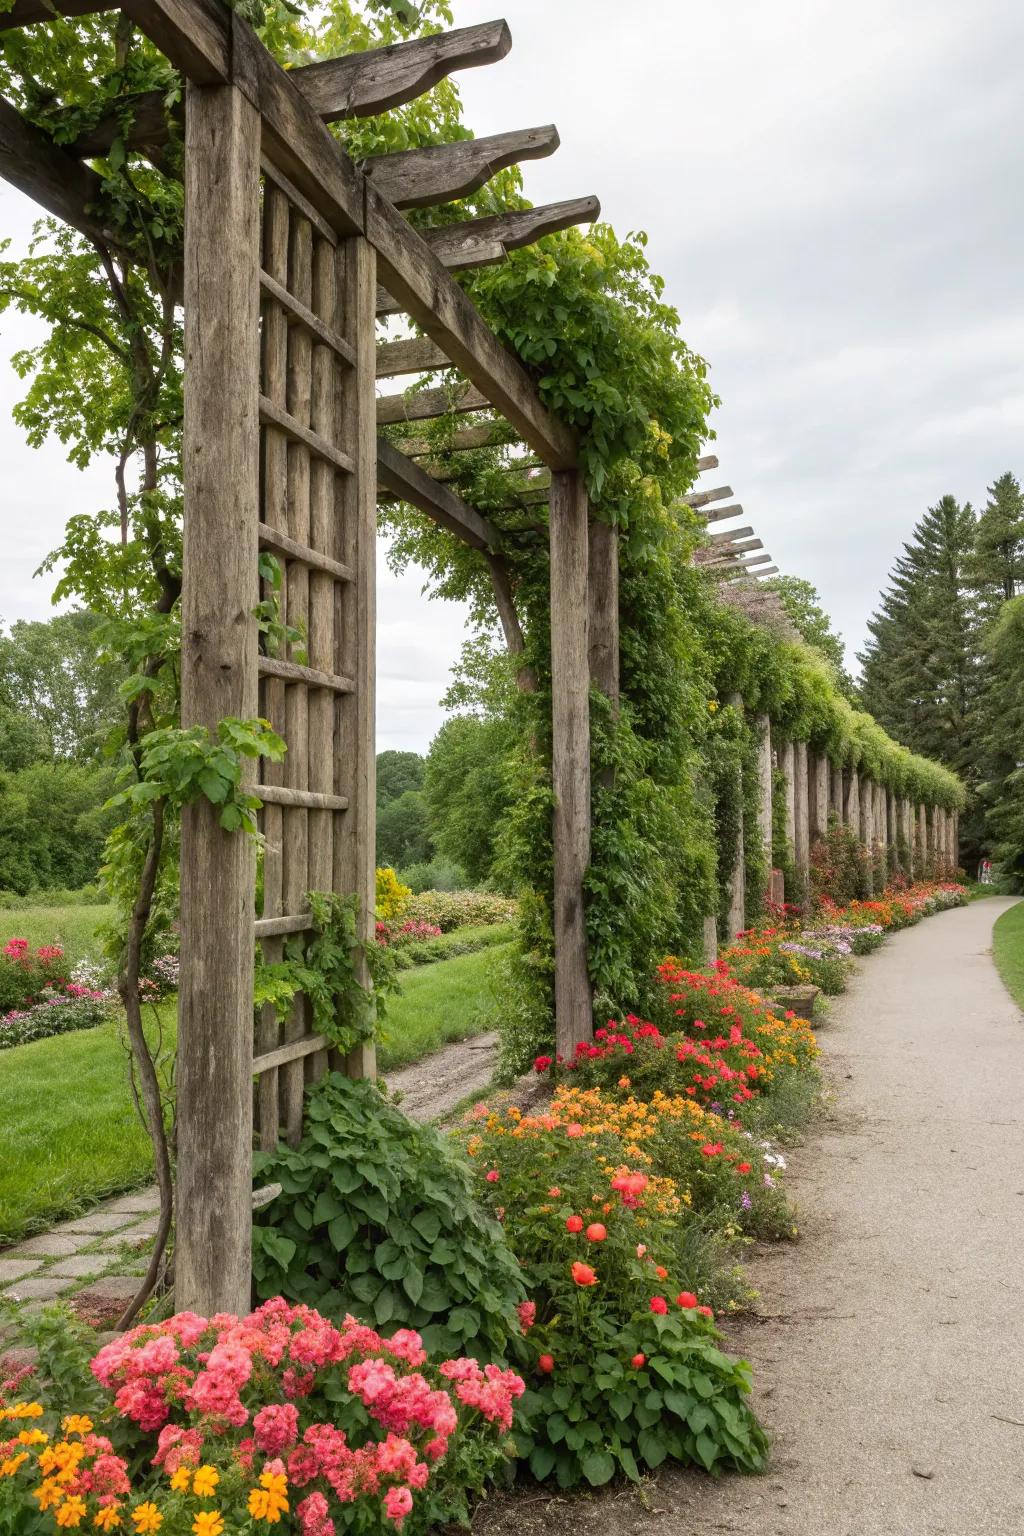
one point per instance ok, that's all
(431, 1088)
(889, 1358)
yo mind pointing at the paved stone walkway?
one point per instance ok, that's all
(95, 1258)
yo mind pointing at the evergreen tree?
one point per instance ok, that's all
(996, 568)
(920, 666)
(1002, 791)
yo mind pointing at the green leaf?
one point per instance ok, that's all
(598, 1468)
(542, 1462)
(341, 1230)
(428, 1225)
(412, 1283)
(651, 1447)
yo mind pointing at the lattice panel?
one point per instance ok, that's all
(313, 398)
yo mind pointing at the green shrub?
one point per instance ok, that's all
(461, 941)
(437, 875)
(458, 909)
(377, 1218)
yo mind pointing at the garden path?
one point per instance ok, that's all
(888, 1353)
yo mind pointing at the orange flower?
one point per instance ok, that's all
(147, 1518)
(107, 1519)
(583, 1274)
(71, 1511)
(77, 1424)
(597, 1232)
(205, 1481)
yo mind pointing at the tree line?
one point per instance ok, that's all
(943, 668)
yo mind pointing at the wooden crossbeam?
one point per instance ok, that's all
(415, 354)
(418, 178)
(24, 12)
(702, 498)
(709, 461)
(719, 514)
(727, 535)
(408, 482)
(213, 44)
(768, 570)
(483, 434)
(363, 84)
(426, 404)
(486, 242)
(738, 564)
(31, 161)
(726, 551)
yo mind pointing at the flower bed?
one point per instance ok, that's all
(26, 974)
(276, 1419)
(459, 909)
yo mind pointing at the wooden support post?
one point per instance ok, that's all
(710, 940)
(956, 840)
(212, 1252)
(835, 794)
(819, 796)
(603, 588)
(922, 842)
(851, 803)
(867, 838)
(788, 773)
(764, 779)
(355, 627)
(737, 884)
(570, 757)
(801, 824)
(907, 837)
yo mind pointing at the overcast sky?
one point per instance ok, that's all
(833, 194)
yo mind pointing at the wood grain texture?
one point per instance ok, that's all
(440, 173)
(818, 768)
(298, 313)
(363, 84)
(702, 498)
(720, 514)
(405, 479)
(428, 404)
(788, 766)
(737, 919)
(218, 678)
(801, 812)
(355, 770)
(414, 354)
(603, 626)
(570, 758)
(303, 435)
(762, 725)
(279, 543)
(24, 13)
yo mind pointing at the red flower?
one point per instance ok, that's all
(686, 1299)
(541, 1063)
(574, 1224)
(597, 1232)
(546, 1364)
(554, 1192)
(583, 1274)
(493, 1176)
(705, 1312)
(659, 1305)
(661, 1272)
(637, 1361)
(742, 1167)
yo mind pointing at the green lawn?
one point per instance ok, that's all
(439, 1003)
(73, 928)
(1008, 948)
(69, 1134)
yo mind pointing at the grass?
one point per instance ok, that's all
(69, 1134)
(438, 1004)
(73, 928)
(1008, 948)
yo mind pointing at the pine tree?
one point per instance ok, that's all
(996, 568)
(1002, 791)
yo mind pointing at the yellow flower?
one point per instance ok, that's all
(206, 1480)
(22, 1411)
(49, 1492)
(181, 1481)
(71, 1511)
(269, 1501)
(77, 1424)
(107, 1519)
(32, 1437)
(147, 1518)
(208, 1523)
(11, 1465)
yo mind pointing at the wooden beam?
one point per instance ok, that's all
(728, 535)
(603, 588)
(709, 461)
(418, 178)
(406, 480)
(211, 44)
(486, 242)
(212, 1252)
(719, 514)
(482, 434)
(570, 758)
(416, 354)
(24, 13)
(701, 498)
(768, 570)
(51, 177)
(725, 552)
(411, 271)
(428, 404)
(737, 564)
(363, 84)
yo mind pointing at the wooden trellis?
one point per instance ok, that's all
(291, 254)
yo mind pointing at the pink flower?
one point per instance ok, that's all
(659, 1305)
(493, 1176)
(276, 1428)
(397, 1504)
(527, 1311)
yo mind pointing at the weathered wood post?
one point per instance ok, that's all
(788, 764)
(570, 755)
(835, 798)
(737, 885)
(218, 678)
(922, 841)
(867, 827)
(764, 782)
(801, 828)
(956, 840)
(882, 831)
(603, 588)
(355, 843)
(819, 796)
(851, 804)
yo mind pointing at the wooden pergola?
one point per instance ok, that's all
(292, 252)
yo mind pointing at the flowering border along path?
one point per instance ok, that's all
(625, 1203)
